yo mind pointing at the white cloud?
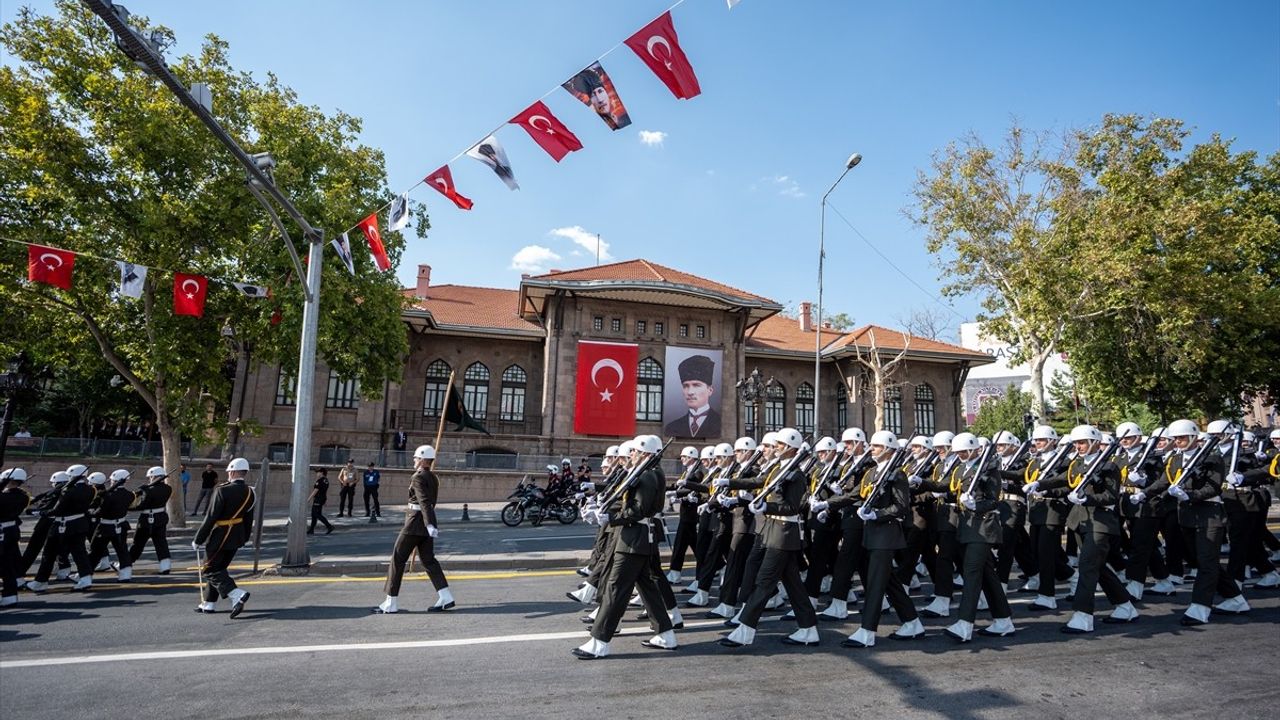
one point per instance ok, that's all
(652, 137)
(788, 187)
(585, 240)
(533, 259)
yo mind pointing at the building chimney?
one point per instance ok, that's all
(826, 324)
(424, 280)
(806, 320)
(525, 276)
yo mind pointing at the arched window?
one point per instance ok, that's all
(842, 406)
(893, 409)
(475, 390)
(437, 384)
(287, 388)
(775, 408)
(343, 393)
(649, 391)
(804, 408)
(514, 382)
(924, 410)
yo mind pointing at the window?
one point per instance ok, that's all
(281, 452)
(640, 327)
(514, 381)
(700, 331)
(658, 328)
(804, 408)
(615, 325)
(597, 323)
(924, 409)
(775, 408)
(475, 390)
(437, 383)
(649, 391)
(334, 455)
(842, 406)
(684, 330)
(893, 410)
(287, 388)
(343, 394)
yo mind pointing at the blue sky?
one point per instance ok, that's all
(789, 90)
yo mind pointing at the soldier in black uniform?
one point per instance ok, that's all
(687, 501)
(1094, 520)
(822, 535)
(224, 530)
(112, 527)
(780, 503)
(851, 556)
(1142, 487)
(944, 484)
(14, 500)
(1013, 509)
(1199, 496)
(419, 533)
(886, 505)
(1244, 498)
(979, 528)
(715, 527)
(745, 478)
(69, 532)
(631, 566)
(920, 529)
(151, 502)
(616, 461)
(40, 507)
(1258, 471)
(1048, 517)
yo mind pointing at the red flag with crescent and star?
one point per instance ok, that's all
(50, 266)
(606, 390)
(442, 180)
(659, 48)
(188, 294)
(369, 226)
(547, 131)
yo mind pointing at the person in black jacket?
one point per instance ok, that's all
(319, 495)
(421, 528)
(851, 557)
(14, 500)
(976, 487)
(111, 528)
(151, 502)
(687, 499)
(225, 530)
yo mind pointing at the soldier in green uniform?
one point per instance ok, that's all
(225, 530)
(419, 533)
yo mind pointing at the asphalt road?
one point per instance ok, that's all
(310, 645)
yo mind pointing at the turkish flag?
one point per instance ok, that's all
(188, 294)
(606, 391)
(50, 266)
(659, 48)
(442, 180)
(370, 227)
(547, 131)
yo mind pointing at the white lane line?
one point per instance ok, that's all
(290, 649)
(551, 537)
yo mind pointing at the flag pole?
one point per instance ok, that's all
(444, 410)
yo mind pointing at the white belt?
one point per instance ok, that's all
(1014, 498)
(64, 519)
(117, 521)
(784, 518)
(938, 496)
(153, 511)
(7, 525)
(415, 507)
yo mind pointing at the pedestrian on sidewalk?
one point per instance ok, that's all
(319, 493)
(371, 479)
(208, 481)
(185, 474)
(347, 489)
(419, 533)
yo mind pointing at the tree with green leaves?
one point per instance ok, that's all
(1008, 412)
(100, 159)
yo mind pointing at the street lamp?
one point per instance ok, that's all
(849, 164)
(12, 381)
(752, 390)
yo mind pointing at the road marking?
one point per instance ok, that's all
(315, 580)
(293, 649)
(553, 537)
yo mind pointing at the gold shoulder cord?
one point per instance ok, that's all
(1073, 480)
(1174, 479)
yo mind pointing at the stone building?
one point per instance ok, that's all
(513, 356)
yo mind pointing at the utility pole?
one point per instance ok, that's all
(145, 51)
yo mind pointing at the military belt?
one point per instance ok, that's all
(153, 511)
(228, 523)
(784, 518)
(415, 507)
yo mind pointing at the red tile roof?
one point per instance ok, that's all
(469, 306)
(648, 271)
(780, 332)
(783, 333)
(890, 339)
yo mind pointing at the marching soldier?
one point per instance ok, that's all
(1245, 501)
(14, 500)
(225, 530)
(921, 533)
(823, 535)
(40, 506)
(1142, 495)
(419, 533)
(151, 502)
(746, 478)
(687, 500)
(945, 486)
(69, 531)
(976, 487)
(715, 527)
(851, 556)
(1047, 517)
(1013, 508)
(887, 504)
(112, 528)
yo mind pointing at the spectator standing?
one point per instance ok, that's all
(185, 474)
(347, 489)
(400, 443)
(208, 481)
(319, 494)
(371, 480)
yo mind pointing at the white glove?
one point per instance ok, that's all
(822, 516)
(602, 517)
(818, 505)
(1235, 479)
(1137, 497)
(433, 531)
(756, 508)
(691, 499)
(1138, 478)
(728, 502)
(585, 486)
(1178, 492)
(1031, 487)
(915, 480)
(835, 487)
(967, 501)
(866, 513)
(1076, 498)
(720, 482)
(195, 546)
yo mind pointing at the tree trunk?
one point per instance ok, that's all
(1038, 358)
(879, 400)
(171, 449)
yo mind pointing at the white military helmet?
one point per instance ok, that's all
(1248, 437)
(983, 441)
(1217, 427)
(242, 465)
(1275, 434)
(626, 447)
(689, 452)
(76, 471)
(790, 437)
(1086, 433)
(120, 475)
(884, 438)
(964, 441)
(922, 441)
(826, 443)
(1203, 436)
(424, 452)
(853, 435)
(723, 450)
(1128, 429)
(745, 443)
(1108, 439)
(1004, 437)
(709, 452)
(902, 443)
(805, 447)
(1159, 433)
(552, 468)
(1182, 428)
(769, 438)
(14, 475)
(612, 452)
(97, 478)
(156, 472)
(649, 444)
(59, 477)
(1044, 432)
(943, 439)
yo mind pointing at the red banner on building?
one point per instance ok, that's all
(605, 403)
